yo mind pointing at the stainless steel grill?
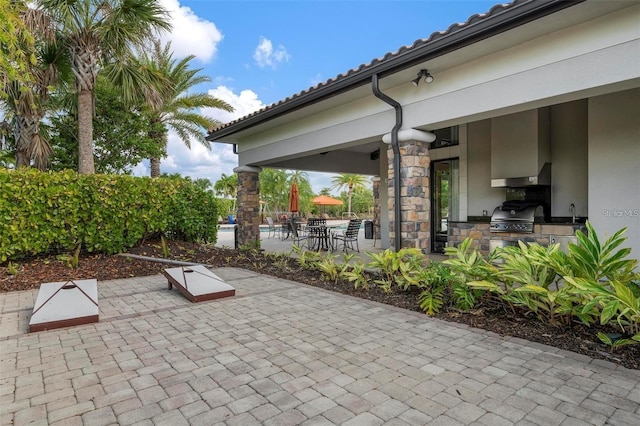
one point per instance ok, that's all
(515, 216)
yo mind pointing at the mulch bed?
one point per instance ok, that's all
(30, 273)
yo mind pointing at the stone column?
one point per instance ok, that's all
(414, 197)
(376, 207)
(248, 217)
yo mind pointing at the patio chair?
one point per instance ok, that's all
(273, 229)
(297, 234)
(348, 238)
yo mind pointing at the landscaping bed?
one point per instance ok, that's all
(30, 273)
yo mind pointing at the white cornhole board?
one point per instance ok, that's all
(63, 304)
(197, 283)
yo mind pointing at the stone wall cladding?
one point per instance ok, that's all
(481, 234)
(248, 217)
(415, 202)
(376, 207)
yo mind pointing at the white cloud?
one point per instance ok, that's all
(243, 104)
(265, 56)
(210, 164)
(191, 35)
(199, 162)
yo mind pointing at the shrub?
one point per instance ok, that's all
(55, 212)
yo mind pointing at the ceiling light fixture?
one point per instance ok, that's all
(428, 78)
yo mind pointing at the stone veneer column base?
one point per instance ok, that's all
(248, 217)
(376, 207)
(415, 201)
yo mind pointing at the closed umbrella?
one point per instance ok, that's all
(294, 199)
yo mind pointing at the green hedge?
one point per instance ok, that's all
(54, 212)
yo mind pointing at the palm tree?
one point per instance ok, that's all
(274, 189)
(28, 97)
(350, 181)
(16, 44)
(94, 33)
(227, 186)
(171, 104)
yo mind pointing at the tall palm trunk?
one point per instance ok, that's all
(155, 167)
(161, 137)
(85, 133)
(24, 129)
(85, 54)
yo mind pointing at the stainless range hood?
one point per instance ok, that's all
(520, 151)
(541, 179)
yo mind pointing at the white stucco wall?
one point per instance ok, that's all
(481, 195)
(568, 134)
(589, 59)
(614, 165)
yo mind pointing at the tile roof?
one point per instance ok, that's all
(402, 58)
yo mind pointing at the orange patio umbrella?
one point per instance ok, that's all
(294, 199)
(323, 200)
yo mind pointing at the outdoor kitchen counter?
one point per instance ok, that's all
(543, 233)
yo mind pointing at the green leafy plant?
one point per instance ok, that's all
(166, 252)
(467, 262)
(71, 261)
(329, 267)
(355, 274)
(306, 259)
(12, 268)
(395, 267)
(592, 259)
(431, 300)
(616, 341)
(55, 212)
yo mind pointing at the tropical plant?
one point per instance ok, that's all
(98, 32)
(274, 189)
(350, 181)
(227, 186)
(355, 273)
(120, 133)
(172, 102)
(305, 258)
(16, 44)
(28, 98)
(616, 341)
(466, 261)
(395, 267)
(329, 267)
(595, 260)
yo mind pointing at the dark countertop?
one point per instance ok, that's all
(553, 221)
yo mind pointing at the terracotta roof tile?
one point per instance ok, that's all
(474, 19)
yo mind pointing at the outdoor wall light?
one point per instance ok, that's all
(428, 78)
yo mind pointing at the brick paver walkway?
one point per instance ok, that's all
(280, 353)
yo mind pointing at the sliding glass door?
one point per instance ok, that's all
(444, 201)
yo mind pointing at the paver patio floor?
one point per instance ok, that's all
(282, 353)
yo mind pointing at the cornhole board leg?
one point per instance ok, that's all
(65, 304)
(197, 283)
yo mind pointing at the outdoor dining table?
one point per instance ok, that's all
(321, 236)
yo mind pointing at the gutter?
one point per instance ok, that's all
(456, 37)
(396, 159)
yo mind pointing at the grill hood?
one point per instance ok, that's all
(520, 151)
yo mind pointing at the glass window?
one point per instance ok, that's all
(445, 137)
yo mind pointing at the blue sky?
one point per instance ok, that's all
(259, 52)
